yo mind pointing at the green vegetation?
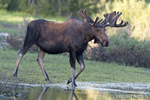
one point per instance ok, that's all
(13, 18)
(136, 12)
(128, 46)
(49, 7)
(11, 22)
(58, 69)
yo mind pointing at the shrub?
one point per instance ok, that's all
(16, 42)
(129, 45)
(136, 12)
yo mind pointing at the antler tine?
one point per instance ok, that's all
(115, 18)
(99, 21)
(95, 22)
(121, 22)
(104, 21)
(112, 18)
(82, 14)
(118, 14)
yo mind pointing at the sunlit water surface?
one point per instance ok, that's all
(64, 92)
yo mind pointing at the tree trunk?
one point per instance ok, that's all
(59, 7)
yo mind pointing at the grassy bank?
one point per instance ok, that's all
(11, 21)
(58, 69)
(57, 66)
(124, 47)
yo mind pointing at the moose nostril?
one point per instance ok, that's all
(105, 43)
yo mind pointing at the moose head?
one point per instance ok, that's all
(99, 26)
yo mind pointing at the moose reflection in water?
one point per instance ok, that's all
(16, 92)
(34, 93)
(39, 97)
(42, 93)
(72, 93)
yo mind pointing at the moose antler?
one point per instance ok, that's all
(112, 18)
(82, 14)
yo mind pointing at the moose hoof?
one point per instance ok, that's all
(15, 76)
(69, 81)
(74, 85)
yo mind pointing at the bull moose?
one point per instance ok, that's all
(71, 36)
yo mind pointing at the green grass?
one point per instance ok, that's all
(15, 18)
(9, 21)
(57, 66)
(58, 69)
(11, 17)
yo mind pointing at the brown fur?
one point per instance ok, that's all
(70, 36)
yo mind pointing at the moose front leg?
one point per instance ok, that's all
(72, 63)
(81, 62)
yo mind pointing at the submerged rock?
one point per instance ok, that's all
(4, 35)
(3, 40)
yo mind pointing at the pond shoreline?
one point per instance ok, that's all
(132, 88)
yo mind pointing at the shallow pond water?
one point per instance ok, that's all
(84, 91)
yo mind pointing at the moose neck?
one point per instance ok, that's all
(87, 31)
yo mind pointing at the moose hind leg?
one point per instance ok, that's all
(40, 62)
(21, 53)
